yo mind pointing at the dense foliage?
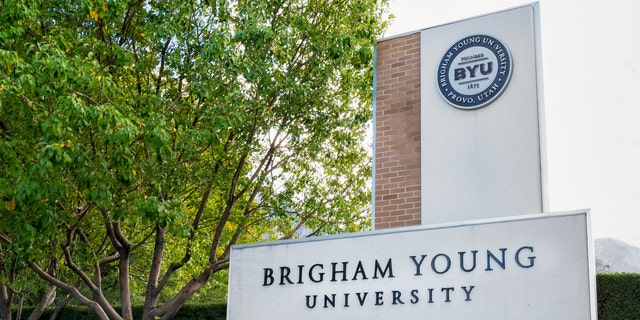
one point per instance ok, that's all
(618, 296)
(187, 312)
(139, 140)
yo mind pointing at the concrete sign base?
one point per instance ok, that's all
(533, 267)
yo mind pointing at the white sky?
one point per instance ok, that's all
(591, 72)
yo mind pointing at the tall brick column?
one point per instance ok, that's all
(397, 132)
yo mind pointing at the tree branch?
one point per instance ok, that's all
(128, 18)
(163, 55)
(73, 291)
(154, 273)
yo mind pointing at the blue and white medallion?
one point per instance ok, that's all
(474, 72)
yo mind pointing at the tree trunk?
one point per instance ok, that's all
(151, 296)
(98, 310)
(169, 309)
(5, 302)
(58, 309)
(125, 291)
(46, 301)
(20, 305)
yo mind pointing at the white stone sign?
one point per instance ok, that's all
(482, 149)
(524, 267)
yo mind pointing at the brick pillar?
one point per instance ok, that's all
(397, 148)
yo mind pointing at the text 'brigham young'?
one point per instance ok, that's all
(439, 264)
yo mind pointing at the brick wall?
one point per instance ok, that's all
(397, 149)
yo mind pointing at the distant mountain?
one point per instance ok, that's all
(613, 255)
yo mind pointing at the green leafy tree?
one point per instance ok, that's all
(18, 289)
(139, 140)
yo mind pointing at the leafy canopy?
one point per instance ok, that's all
(179, 128)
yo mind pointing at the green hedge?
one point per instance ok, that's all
(618, 299)
(618, 296)
(187, 312)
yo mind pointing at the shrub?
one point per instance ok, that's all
(187, 312)
(618, 296)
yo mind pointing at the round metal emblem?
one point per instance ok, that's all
(474, 72)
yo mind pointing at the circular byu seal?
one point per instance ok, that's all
(474, 72)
